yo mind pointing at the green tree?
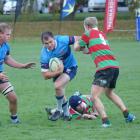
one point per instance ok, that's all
(133, 5)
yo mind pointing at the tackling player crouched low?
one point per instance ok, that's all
(80, 107)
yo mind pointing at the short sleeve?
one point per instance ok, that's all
(84, 41)
(44, 61)
(8, 49)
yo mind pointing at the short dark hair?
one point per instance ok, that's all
(46, 35)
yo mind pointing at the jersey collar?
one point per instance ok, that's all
(55, 44)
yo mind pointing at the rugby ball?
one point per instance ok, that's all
(54, 63)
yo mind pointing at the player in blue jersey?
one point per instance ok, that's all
(58, 46)
(5, 86)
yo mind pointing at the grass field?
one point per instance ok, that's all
(34, 93)
(56, 16)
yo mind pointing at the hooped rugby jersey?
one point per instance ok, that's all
(99, 49)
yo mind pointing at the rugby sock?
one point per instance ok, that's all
(105, 120)
(65, 107)
(125, 113)
(14, 119)
(59, 102)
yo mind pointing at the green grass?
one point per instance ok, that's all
(34, 29)
(55, 17)
(34, 93)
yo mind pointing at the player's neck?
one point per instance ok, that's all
(1, 42)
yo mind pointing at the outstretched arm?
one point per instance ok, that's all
(76, 38)
(13, 63)
(89, 116)
(77, 47)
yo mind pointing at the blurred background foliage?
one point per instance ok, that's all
(29, 11)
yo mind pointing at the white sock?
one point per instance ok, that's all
(65, 107)
(59, 102)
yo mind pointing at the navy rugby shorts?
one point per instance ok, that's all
(69, 71)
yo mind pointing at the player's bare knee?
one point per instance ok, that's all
(57, 86)
(109, 94)
(12, 98)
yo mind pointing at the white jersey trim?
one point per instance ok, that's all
(44, 70)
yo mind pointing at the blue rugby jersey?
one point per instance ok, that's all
(62, 51)
(4, 51)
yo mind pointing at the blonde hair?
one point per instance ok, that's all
(91, 22)
(4, 26)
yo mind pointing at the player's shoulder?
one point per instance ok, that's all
(44, 52)
(62, 38)
(6, 46)
(87, 33)
(101, 32)
(44, 58)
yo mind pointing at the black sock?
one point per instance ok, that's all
(105, 120)
(13, 117)
(125, 113)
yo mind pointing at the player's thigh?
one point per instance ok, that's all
(11, 96)
(97, 90)
(71, 72)
(62, 80)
